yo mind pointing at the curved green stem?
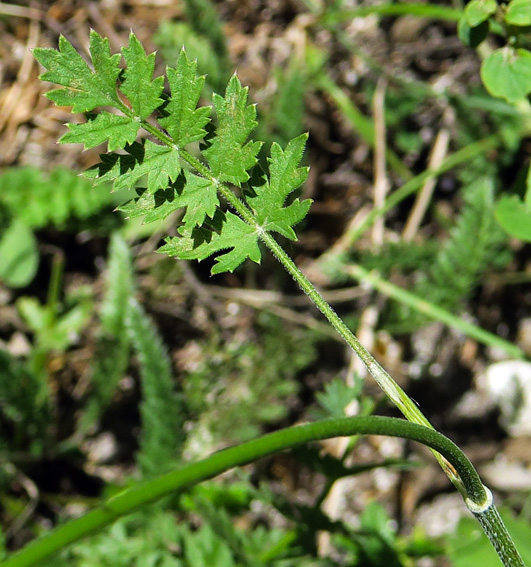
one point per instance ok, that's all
(460, 472)
(409, 409)
(133, 498)
(402, 401)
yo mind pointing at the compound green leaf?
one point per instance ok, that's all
(113, 165)
(506, 73)
(514, 217)
(139, 87)
(114, 129)
(184, 122)
(285, 177)
(518, 13)
(227, 231)
(228, 155)
(86, 88)
(477, 11)
(200, 197)
(197, 194)
(153, 207)
(161, 165)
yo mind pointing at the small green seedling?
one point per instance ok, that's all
(506, 71)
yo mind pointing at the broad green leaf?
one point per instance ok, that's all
(285, 177)
(477, 11)
(228, 155)
(514, 217)
(472, 36)
(527, 196)
(199, 195)
(184, 122)
(518, 13)
(139, 87)
(375, 520)
(19, 257)
(114, 129)
(86, 88)
(507, 73)
(226, 231)
(54, 332)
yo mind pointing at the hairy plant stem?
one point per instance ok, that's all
(393, 391)
(480, 502)
(495, 529)
(143, 493)
(416, 427)
(455, 464)
(403, 402)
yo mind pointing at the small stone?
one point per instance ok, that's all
(508, 385)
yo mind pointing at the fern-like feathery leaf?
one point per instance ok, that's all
(119, 286)
(113, 343)
(155, 162)
(161, 411)
(476, 243)
(38, 198)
